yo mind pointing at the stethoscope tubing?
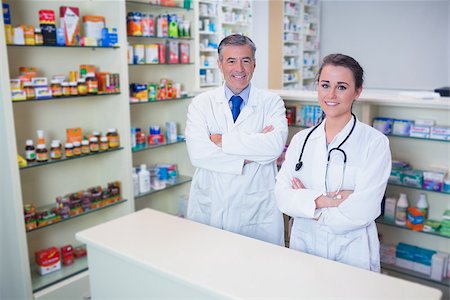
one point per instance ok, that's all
(299, 164)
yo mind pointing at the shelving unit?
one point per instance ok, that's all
(160, 111)
(294, 43)
(388, 104)
(42, 282)
(217, 19)
(40, 186)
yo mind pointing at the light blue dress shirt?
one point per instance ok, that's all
(245, 94)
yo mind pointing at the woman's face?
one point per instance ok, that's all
(337, 91)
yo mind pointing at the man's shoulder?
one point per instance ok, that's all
(208, 95)
(264, 94)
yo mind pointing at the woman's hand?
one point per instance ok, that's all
(325, 201)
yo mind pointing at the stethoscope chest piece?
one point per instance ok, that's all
(298, 166)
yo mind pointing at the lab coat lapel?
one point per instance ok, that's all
(320, 156)
(249, 108)
(225, 117)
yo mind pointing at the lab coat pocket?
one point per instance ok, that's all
(301, 238)
(258, 208)
(351, 174)
(199, 207)
(352, 249)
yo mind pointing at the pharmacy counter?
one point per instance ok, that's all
(149, 254)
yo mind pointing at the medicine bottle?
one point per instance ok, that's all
(97, 135)
(401, 209)
(76, 148)
(92, 83)
(30, 92)
(56, 88)
(73, 88)
(56, 150)
(30, 151)
(82, 87)
(422, 205)
(68, 150)
(104, 145)
(93, 144)
(41, 153)
(113, 138)
(65, 89)
(85, 147)
(38, 37)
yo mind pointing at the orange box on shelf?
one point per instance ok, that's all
(29, 72)
(415, 218)
(74, 134)
(85, 69)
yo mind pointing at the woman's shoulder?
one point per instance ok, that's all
(372, 134)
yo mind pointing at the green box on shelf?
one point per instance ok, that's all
(395, 177)
(412, 178)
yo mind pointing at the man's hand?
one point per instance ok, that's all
(297, 184)
(267, 129)
(216, 139)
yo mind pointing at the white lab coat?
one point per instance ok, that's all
(225, 193)
(346, 233)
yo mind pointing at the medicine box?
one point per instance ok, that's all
(395, 177)
(6, 14)
(389, 209)
(70, 22)
(184, 53)
(414, 219)
(383, 125)
(433, 180)
(402, 127)
(440, 133)
(48, 260)
(412, 178)
(421, 131)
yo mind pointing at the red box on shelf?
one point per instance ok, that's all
(48, 260)
(67, 255)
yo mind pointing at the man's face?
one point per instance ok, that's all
(237, 66)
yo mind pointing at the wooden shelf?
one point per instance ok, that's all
(394, 268)
(180, 180)
(149, 147)
(64, 159)
(64, 98)
(381, 220)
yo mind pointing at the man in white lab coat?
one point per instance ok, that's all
(234, 135)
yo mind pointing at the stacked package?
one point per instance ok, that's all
(445, 223)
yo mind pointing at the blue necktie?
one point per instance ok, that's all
(236, 106)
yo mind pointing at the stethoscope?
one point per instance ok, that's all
(299, 164)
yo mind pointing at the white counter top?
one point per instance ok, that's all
(378, 97)
(237, 267)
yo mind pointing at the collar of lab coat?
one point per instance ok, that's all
(249, 108)
(320, 132)
(220, 96)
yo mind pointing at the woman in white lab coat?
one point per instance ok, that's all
(233, 185)
(334, 203)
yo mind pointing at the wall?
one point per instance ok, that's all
(260, 26)
(401, 44)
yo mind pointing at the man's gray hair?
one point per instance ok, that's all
(236, 40)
